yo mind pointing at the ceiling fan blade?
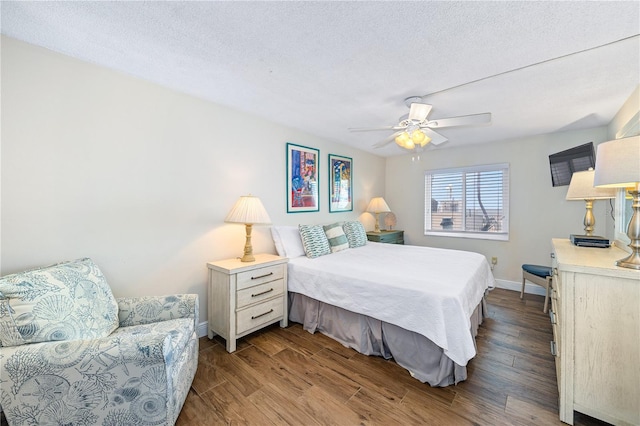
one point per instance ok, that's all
(372, 129)
(436, 138)
(419, 112)
(387, 140)
(463, 120)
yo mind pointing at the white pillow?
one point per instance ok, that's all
(287, 240)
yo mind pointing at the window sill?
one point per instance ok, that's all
(473, 235)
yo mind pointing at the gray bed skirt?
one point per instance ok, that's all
(420, 356)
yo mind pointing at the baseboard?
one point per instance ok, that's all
(517, 286)
(202, 329)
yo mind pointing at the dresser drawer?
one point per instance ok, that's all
(259, 276)
(258, 293)
(258, 315)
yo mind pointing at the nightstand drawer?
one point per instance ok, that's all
(259, 276)
(387, 237)
(258, 315)
(259, 293)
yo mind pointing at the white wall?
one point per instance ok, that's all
(538, 211)
(138, 177)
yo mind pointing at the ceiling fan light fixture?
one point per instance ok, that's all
(412, 139)
(402, 139)
(418, 137)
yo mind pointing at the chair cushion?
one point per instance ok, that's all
(66, 301)
(540, 271)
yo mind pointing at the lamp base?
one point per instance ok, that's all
(633, 232)
(248, 249)
(632, 261)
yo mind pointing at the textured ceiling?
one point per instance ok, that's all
(323, 67)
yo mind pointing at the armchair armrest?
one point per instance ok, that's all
(150, 309)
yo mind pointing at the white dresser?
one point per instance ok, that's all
(246, 296)
(596, 328)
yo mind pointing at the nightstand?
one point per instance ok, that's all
(389, 237)
(246, 296)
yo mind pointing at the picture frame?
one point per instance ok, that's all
(303, 179)
(340, 183)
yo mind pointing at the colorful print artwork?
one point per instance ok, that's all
(302, 179)
(340, 184)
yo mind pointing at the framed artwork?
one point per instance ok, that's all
(340, 184)
(302, 179)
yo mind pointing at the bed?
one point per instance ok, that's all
(421, 306)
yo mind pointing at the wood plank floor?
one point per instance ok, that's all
(289, 376)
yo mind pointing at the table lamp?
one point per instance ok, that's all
(618, 166)
(377, 205)
(250, 211)
(581, 188)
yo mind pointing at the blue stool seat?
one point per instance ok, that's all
(540, 271)
(540, 275)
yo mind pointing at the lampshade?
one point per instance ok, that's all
(248, 209)
(378, 205)
(618, 166)
(581, 188)
(618, 163)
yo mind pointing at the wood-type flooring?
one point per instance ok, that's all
(289, 376)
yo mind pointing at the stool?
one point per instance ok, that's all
(540, 275)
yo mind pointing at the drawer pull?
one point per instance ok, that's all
(262, 276)
(554, 348)
(262, 292)
(261, 315)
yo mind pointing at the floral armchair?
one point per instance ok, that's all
(70, 353)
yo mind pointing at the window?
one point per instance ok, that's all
(469, 202)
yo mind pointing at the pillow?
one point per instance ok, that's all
(314, 241)
(66, 301)
(336, 237)
(356, 235)
(287, 241)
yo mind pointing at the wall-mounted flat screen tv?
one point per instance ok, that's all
(564, 163)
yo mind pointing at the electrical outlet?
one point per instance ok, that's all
(494, 260)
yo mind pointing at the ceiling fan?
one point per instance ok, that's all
(414, 131)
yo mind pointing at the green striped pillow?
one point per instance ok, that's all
(314, 240)
(337, 238)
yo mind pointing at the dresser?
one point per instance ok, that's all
(595, 315)
(246, 296)
(389, 237)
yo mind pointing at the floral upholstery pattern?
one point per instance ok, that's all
(65, 301)
(138, 374)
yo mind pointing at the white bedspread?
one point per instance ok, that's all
(430, 291)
